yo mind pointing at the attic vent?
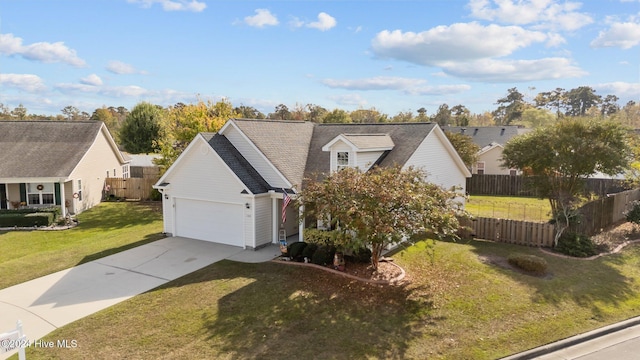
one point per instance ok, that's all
(502, 131)
(475, 131)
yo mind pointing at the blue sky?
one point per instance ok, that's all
(394, 55)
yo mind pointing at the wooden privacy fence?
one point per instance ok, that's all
(517, 232)
(519, 186)
(130, 188)
(599, 214)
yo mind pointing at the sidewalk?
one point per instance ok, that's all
(52, 301)
(582, 345)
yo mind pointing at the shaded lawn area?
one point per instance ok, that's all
(102, 230)
(458, 308)
(509, 207)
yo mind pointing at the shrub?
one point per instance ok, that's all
(26, 220)
(633, 215)
(323, 255)
(309, 250)
(362, 255)
(576, 245)
(295, 250)
(531, 263)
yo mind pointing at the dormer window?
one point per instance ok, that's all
(342, 160)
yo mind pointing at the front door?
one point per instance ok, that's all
(3, 196)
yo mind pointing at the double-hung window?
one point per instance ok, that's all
(40, 194)
(342, 160)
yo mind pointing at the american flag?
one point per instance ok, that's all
(285, 201)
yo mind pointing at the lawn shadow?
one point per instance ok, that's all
(106, 252)
(588, 283)
(295, 312)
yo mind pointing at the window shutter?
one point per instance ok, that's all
(23, 192)
(57, 193)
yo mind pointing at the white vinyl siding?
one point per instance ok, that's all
(203, 175)
(100, 159)
(432, 156)
(366, 159)
(263, 220)
(255, 158)
(201, 180)
(492, 161)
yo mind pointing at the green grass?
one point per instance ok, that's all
(103, 230)
(460, 307)
(507, 207)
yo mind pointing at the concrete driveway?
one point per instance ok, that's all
(52, 301)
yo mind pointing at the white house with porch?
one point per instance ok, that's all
(228, 187)
(56, 163)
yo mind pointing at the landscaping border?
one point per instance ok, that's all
(369, 281)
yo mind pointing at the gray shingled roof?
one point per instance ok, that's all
(406, 137)
(44, 148)
(237, 163)
(370, 141)
(284, 143)
(485, 135)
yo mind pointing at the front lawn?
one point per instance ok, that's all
(509, 207)
(103, 230)
(461, 307)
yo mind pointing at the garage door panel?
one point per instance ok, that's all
(210, 221)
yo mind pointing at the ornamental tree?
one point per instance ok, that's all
(381, 207)
(559, 158)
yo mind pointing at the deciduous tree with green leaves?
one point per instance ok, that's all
(558, 159)
(141, 131)
(464, 145)
(381, 207)
(183, 122)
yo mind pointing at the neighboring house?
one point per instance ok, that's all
(56, 163)
(228, 187)
(142, 165)
(491, 140)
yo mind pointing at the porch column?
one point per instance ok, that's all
(62, 199)
(274, 216)
(301, 223)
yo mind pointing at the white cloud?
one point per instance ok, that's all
(375, 83)
(349, 100)
(324, 23)
(44, 52)
(440, 89)
(406, 85)
(624, 35)
(26, 82)
(498, 71)
(620, 89)
(543, 14)
(92, 79)
(460, 42)
(121, 68)
(173, 5)
(262, 18)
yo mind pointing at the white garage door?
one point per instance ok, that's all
(210, 221)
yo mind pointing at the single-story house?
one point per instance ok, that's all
(56, 163)
(228, 187)
(491, 140)
(142, 165)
